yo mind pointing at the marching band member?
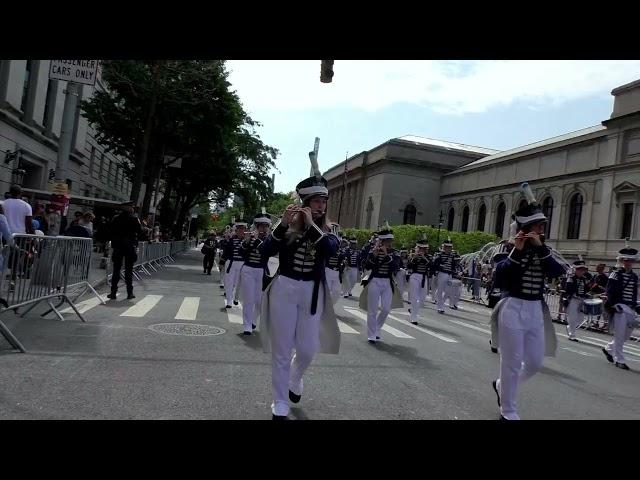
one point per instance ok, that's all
(622, 303)
(419, 265)
(222, 245)
(253, 271)
(401, 274)
(332, 268)
(383, 261)
(234, 260)
(524, 330)
(445, 263)
(351, 262)
(577, 287)
(297, 312)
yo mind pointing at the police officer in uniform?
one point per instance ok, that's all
(622, 303)
(209, 250)
(125, 230)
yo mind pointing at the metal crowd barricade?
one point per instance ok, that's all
(41, 269)
(152, 256)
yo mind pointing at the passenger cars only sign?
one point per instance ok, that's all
(77, 71)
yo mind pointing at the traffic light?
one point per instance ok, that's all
(326, 71)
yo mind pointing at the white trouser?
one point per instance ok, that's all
(574, 316)
(251, 286)
(292, 327)
(443, 289)
(333, 282)
(379, 292)
(417, 294)
(453, 294)
(622, 328)
(350, 277)
(521, 349)
(401, 281)
(231, 279)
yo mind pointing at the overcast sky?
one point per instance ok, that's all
(493, 104)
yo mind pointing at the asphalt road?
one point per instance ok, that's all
(118, 365)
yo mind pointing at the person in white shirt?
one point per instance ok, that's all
(18, 212)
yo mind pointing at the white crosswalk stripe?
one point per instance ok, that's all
(189, 309)
(143, 307)
(602, 343)
(85, 305)
(387, 328)
(439, 336)
(468, 325)
(344, 328)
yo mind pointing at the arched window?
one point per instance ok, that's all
(450, 219)
(465, 219)
(500, 214)
(482, 215)
(547, 209)
(409, 215)
(575, 215)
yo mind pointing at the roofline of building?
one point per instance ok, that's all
(400, 142)
(534, 149)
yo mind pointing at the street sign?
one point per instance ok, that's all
(76, 71)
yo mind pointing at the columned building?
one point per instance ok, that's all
(31, 108)
(587, 181)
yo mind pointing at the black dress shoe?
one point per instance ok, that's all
(409, 310)
(573, 339)
(208, 273)
(293, 397)
(235, 302)
(494, 350)
(246, 333)
(623, 366)
(253, 327)
(503, 418)
(414, 323)
(130, 296)
(112, 296)
(221, 286)
(278, 417)
(228, 306)
(495, 389)
(372, 342)
(608, 355)
(377, 338)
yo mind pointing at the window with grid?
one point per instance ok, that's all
(575, 215)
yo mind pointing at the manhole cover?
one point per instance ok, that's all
(187, 329)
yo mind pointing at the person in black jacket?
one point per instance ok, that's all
(124, 232)
(209, 249)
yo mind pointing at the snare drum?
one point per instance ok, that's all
(592, 306)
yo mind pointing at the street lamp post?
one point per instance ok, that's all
(440, 218)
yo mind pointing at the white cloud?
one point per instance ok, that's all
(454, 87)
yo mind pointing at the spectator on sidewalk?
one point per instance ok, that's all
(87, 221)
(40, 215)
(53, 221)
(5, 236)
(18, 212)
